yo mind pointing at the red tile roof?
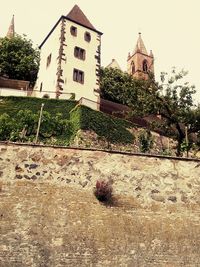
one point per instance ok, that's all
(77, 15)
(13, 84)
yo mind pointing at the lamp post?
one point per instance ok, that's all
(39, 122)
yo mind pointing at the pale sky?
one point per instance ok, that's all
(169, 27)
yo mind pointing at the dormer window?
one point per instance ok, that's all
(73, 31)
(145, 66)
(87, 37)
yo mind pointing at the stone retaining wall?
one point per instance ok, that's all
(146, 178)
(50, 217)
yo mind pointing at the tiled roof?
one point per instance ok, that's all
(77, 15)
(14, 84)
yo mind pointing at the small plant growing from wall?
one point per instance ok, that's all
(166, 152)
(103, 190)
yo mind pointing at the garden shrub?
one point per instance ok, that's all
(145, 141)
(24, 127)
(13, 104)
(6, 126)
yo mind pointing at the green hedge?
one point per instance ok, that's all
(12, 104)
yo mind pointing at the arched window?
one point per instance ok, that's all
(132, 67)
(145, 66)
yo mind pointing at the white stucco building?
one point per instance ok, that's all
(70, 59)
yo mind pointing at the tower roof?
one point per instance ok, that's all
(140, 47)
(77, 15)
(11, 30)
(114, 64)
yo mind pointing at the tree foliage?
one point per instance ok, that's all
(18, 59)
(171, 98)
(119, 87)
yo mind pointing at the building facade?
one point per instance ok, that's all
(140, 63)
(70, 59)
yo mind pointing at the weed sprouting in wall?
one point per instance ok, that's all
(103, 190)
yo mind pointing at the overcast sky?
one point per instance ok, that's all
(169, 27)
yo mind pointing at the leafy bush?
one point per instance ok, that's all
(6, 126)
(103, 190)
(145, 141)
(166, 152)
(185, 146)
(25, 126)
(13, 104)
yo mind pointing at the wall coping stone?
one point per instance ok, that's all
(8, 143)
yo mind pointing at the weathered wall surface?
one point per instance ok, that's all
(49, 216)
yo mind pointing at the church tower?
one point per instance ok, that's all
(11, 30)
(140, 62)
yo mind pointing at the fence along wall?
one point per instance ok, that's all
(47, 205)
